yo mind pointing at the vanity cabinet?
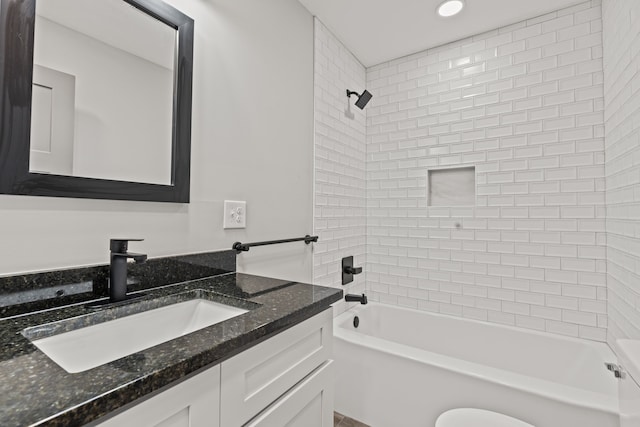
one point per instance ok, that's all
(284, 380)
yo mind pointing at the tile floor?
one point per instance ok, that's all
(340, 420)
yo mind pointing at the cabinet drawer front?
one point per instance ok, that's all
(308, 404)
(255, 378)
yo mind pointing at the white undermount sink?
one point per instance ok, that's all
(91, 346)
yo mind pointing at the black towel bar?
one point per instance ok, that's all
(243, 247)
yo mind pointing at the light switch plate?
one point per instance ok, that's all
(235, 214)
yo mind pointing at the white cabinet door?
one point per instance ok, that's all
(308, 404)
(191, 403)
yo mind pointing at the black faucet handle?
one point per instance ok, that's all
(353, 270)
(138, 258)
(121, 245)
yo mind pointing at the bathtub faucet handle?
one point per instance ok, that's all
(353, 270)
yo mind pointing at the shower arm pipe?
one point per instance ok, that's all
(244, 247)
(350, 92)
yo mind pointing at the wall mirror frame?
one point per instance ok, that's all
(17, 23)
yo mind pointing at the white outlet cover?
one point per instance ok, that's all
(235, 214)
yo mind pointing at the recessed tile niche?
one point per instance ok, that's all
(451, 187)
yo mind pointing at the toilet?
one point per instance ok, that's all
(472, 417)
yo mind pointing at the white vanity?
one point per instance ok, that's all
(284, 380)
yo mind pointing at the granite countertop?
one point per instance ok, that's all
(36, 391)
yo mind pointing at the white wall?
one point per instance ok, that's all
(524, 104)
(340, 156)
(622, 122)
(252, 140)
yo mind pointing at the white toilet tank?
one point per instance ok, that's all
(628, 352)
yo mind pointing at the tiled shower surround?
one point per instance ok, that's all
(524, 105)
(622, 118)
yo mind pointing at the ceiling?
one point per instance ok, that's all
(377, 31)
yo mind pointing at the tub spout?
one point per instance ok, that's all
(353, 298)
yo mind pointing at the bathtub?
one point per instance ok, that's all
(404, 367)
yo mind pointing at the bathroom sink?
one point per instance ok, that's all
(87, 347)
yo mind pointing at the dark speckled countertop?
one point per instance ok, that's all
(36, 391)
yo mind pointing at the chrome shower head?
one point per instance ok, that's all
(363, 99)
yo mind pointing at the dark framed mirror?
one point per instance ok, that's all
(106, 112)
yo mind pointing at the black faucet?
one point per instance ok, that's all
(118, 269)
(362, 299)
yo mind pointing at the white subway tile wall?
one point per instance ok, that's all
(340, 164)
(621, 20)
(524, 105)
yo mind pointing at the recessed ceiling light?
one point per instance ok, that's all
(450, 8)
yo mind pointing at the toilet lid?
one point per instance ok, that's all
(470, 417)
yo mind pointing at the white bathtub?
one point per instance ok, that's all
(404, 367)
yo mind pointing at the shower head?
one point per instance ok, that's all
(362, 100)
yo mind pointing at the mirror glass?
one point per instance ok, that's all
(103, 92)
